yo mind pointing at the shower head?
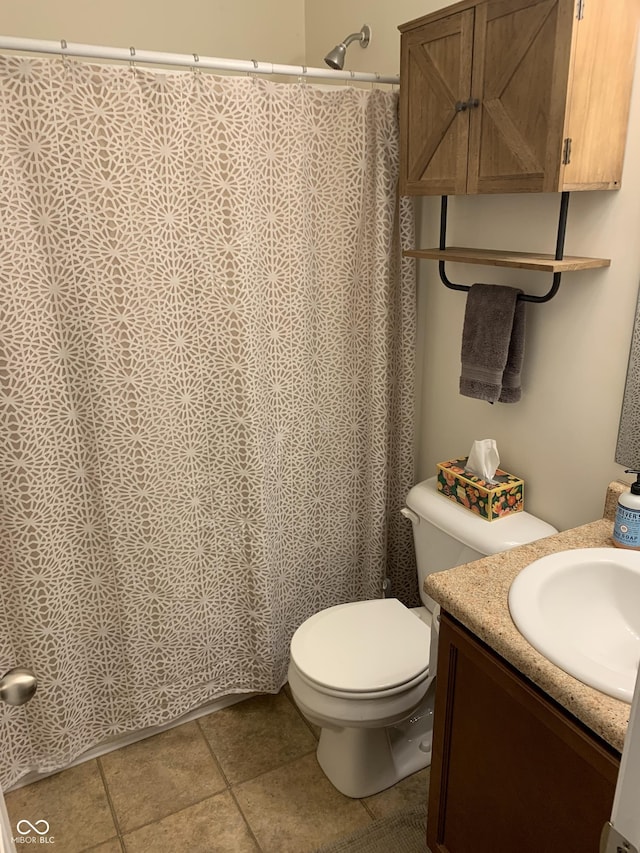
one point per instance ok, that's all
(335, 57)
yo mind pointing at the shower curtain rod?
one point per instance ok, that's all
(190, 60)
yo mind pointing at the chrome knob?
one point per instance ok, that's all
(17, 686)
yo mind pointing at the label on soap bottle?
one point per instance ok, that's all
(626, 529)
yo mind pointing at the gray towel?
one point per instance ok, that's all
(492, 344)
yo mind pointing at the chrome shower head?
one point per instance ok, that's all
(335, 57)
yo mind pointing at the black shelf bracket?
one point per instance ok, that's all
(525, 297)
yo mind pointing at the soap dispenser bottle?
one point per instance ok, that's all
(626, 528)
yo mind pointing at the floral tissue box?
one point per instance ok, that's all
(489, 500)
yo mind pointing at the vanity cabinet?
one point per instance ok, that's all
(511, 770)
(516, 96)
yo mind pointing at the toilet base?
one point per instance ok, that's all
(360, 762)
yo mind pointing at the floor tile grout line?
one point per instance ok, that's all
(284, 763)
(263, 772)
(213, 755)
(368, 812)
(230, 785)
(233, 785)
(367, 808)
(171, 814)
(246, 819)
(122, 833)
(229, 788)
(112, 808)
(227, 783)
(299, 713)
(313, 732)
(246, 822)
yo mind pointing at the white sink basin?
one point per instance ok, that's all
(581, 610)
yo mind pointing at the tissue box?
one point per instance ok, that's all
(488, 500)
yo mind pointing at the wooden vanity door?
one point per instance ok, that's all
(436, 75)
(511, 771)
(521, 65)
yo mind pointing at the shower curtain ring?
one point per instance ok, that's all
(65, 59)
(132, 64)
(252, 74)
(301, 79)
(346, 79)
(196, 68)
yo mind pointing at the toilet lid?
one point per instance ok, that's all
(362, 647)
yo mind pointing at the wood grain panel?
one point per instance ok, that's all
(513, 77)
(436, 73)
(600, 95)
(515, 260)
(511, 771)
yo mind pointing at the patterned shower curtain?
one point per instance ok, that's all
(207, 339)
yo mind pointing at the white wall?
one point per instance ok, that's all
(238, 29)
(561, 437)
(327, 23)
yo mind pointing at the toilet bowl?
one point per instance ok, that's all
(361, 672)
(365, 672)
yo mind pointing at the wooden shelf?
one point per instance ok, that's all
(519, 260)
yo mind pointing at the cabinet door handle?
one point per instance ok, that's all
(461, 106)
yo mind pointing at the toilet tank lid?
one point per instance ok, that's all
(485, 537)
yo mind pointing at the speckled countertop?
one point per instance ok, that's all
(476, 594)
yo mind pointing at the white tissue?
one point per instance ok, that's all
(483, 458)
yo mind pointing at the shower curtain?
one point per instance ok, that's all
(206, 386)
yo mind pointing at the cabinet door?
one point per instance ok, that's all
(436, 75)
(602, 75)
(521, 61)
(511, 771)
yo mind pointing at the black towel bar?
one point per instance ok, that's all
(525, 297)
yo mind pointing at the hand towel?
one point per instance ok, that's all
(511, 387)
(492, 343)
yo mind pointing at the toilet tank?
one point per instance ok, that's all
(446, 534)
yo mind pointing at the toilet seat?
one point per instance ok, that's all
(359, 695)
(366, 648)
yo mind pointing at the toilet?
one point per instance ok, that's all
(365, 672)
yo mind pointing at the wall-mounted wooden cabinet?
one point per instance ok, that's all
(516, 96)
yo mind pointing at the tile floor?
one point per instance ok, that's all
(241, 780)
